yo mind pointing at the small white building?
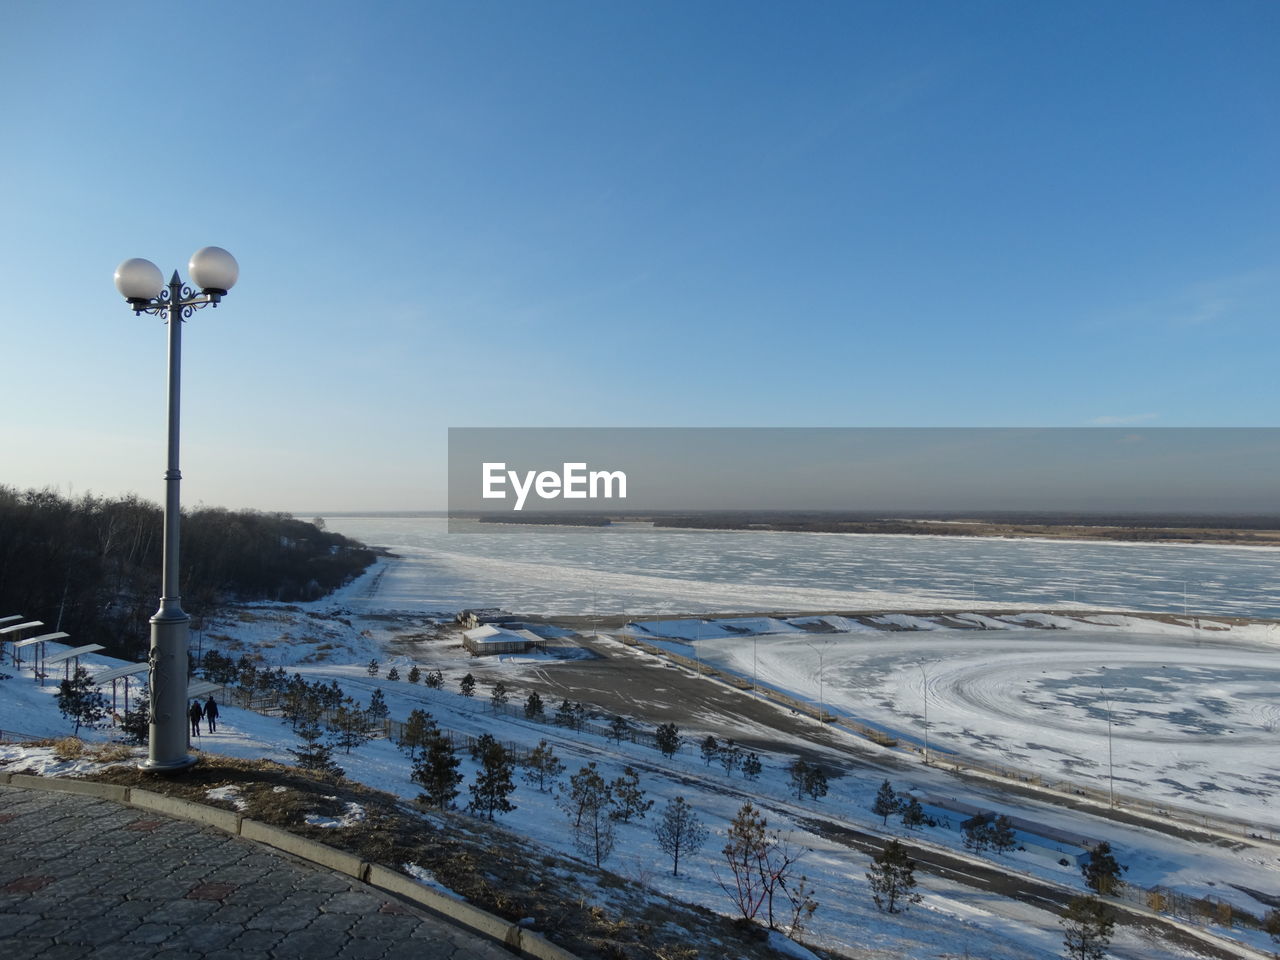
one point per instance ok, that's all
(489, 640)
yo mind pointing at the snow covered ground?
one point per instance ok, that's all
(951, 919)
(1185, 708)
(1179, 715)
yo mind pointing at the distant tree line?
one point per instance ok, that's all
(90, 565)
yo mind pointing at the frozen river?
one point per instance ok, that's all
(639, 569)
(1190, 716)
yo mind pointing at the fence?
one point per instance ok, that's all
(271, 703)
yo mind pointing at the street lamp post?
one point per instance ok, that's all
(822, 702)
(214, 271)
(924, 680)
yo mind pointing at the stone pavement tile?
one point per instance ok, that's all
(66, 951)
(125, 894)
(385, 927)
(279, 917)
(183, 912)
(255, 942)
(423, 950)
(307, 900)
(98, 930)
(206, 937)
(237, 913)
(332, 925)
(148, 932)
(24, 949)
(353, 901)
(51, 926)
(119, 950)
(364, 950)
(11, 923)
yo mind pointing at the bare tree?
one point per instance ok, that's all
(760, 864)
(587, 801)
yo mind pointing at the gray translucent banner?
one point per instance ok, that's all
(591, 475)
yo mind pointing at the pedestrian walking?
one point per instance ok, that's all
(195, 713)
(211, 714)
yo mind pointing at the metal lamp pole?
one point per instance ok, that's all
(924, 679)
(215, 271)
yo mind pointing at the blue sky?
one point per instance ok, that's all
(625, 214)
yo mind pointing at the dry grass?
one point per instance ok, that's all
(69, 748)
(110, 753)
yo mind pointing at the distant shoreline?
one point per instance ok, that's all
(1220, 531)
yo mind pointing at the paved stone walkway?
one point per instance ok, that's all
(82, 877)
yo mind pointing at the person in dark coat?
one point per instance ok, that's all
(195, 713)
(211, 714)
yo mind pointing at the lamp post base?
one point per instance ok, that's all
(169, 766)
(168, 739)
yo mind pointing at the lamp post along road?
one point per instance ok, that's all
(214, 271)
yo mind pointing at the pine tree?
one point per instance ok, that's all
(1087, 926)
(372, 669)
(1102, 871)
(564, 714)
(752, 767)
(912, 813)
(416, 733)
(799, 772)
(667, 739)
(136, 723)
(437, 772)
(350, 727)
(977, 834)
(1003, 838)
(493, 783)
(377, 710)
(815, 782)
(679, 832)
(80, 701)
(892, 878)
(730, 757)
(467, 685)
(628, 799)
(498, 695)
(315, 755)
(300, 705)
(709, 749)
(587, 789)
(1271, 924)
(393, 674)
(543, 767)
(619, 728)
(533, 709)
(434, 679)
(414, 674)
(886, 802)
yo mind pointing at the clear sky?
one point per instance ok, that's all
(624, 214)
